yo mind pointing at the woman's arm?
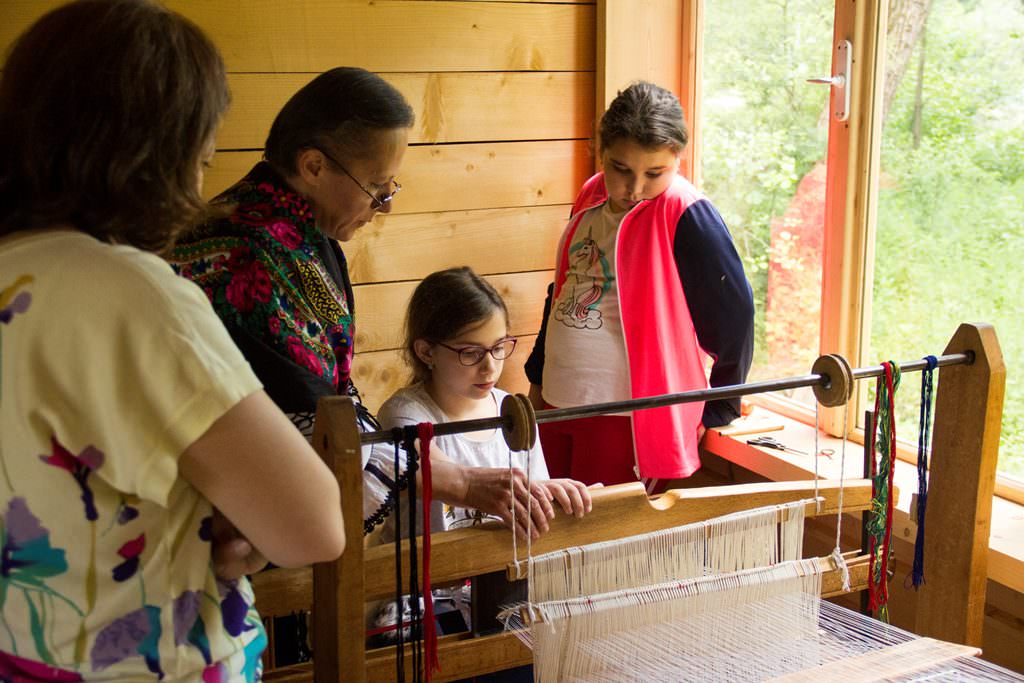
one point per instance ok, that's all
(256, 468)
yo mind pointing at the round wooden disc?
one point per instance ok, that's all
(840, 385)
(521, 434)
(531, 419)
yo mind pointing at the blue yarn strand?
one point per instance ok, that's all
(923, 445)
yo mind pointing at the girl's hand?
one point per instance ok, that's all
(572, 495)
(494, 491)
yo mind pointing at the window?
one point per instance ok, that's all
(764, 136)
(949, 242)
(916, 239)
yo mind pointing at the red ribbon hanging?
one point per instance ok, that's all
(426, 433)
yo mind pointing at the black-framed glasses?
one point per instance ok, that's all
(377, 201)
(471, 355)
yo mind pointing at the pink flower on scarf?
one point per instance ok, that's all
(303, 356)
(286, 234)
(249, 280)
(252, 214)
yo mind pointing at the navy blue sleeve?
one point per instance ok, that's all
(720, 299)
(535, 363)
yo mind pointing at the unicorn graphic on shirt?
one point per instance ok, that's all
(585, 286)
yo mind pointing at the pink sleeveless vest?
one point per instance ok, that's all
(661, 344)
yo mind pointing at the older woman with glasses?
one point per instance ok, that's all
(271, 263)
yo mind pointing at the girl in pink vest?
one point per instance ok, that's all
(649, 292)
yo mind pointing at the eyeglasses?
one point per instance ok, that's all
(471, 355)
(377, 201)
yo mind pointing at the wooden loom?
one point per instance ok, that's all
(950, 606)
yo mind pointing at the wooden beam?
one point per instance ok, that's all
(851, 199)
(691, 47)
(892, 662)
(638, 40)
(448, 106)
(401, 247)
(618, 511)
(461, 657)
(397, 36)
(965, 450)
(461, 177)
(338, 633)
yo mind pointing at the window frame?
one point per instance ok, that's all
(854, 153)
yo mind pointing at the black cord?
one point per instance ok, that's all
(416, 631)
(397, 494)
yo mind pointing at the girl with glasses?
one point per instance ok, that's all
(456, 342)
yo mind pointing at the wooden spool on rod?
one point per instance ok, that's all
(838, 388)
(519, 422)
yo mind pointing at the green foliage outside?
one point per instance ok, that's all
(950, 230)
(760, 123)
(950, 241)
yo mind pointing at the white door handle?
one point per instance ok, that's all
(839, 82)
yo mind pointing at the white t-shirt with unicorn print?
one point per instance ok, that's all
(585, 321)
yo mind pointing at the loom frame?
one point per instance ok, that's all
(967, 417)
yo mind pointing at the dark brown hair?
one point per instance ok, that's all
(648, 115)
(106, 107)
(337, 110)
(444, 304)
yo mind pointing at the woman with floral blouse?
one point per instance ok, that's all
(126, 412)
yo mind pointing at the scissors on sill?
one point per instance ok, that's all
(769, 442)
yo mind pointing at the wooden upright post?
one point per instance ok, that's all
(338, 633)
(965, 447)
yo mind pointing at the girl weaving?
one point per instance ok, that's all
(457, 341)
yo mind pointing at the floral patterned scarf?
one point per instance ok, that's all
(280, 286)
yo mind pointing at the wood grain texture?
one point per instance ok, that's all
(382, 308)
(461, 177)
(403, 35)
(638, 40)
(461, 657)
(337, 630)
(965, 449)
(406, 246)
(449, 107)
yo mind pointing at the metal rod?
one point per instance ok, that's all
(715, 393)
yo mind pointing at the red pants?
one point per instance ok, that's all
(590, 449)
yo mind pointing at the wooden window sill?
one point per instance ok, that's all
(1006, 541)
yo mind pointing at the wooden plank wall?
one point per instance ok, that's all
(504, 100)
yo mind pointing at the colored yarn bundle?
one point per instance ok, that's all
(882, 469)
